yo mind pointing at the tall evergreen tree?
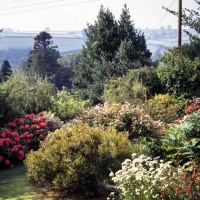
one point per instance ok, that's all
(6, 70)
(43, 60)
(110, 50)
(133, 41)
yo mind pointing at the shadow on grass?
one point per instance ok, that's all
(14, 185)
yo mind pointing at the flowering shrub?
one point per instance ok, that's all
(192, 106)
(146, 178)
(78, 157)
(21, 135)
(124, 117)
(165, 108)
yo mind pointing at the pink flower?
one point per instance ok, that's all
(43, 125)
(41, 130)
(27, 126)
(14, 148)
(11, 124)
(28, 141)
(21, 127)
(40, 136)
(7, 162)
(20, 120)
(7, 141)
(16, 139)
(1, 158)
(191, 101)
(3, 135)
(21, 154)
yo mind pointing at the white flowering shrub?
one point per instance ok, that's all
(144, 178)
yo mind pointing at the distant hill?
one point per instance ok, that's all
(15, 46)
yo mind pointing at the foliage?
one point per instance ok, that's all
(182, 143)
(6, 71)
(124, 117)
(146, 178)
(43, 61)
(180, 75)
(78, 157)
(24, 93)
(125, 89)
(66, 106)
(17, 137)
(111, 49)
(165, 108)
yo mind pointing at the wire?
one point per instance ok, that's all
(7, 2)
(50, 7)
(31, 5)
(160, 21)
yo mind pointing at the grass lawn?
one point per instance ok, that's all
(14, 185)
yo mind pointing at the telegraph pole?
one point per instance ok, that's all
(179, 22)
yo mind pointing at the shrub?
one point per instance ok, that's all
(182, 143)
(66, 106)
(124, 117)
(146, 178)
(21, 135)
(125, 89)
(165, 108)
(78, 157)
(179, 74)
(25, 93)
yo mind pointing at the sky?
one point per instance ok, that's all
(61, 15)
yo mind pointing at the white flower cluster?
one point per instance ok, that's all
(142, 178)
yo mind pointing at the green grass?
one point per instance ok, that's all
(14, 185)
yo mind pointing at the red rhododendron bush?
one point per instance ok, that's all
(22, 134)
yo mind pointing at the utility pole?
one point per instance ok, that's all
(179, 22)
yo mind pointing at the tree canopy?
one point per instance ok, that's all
(6, 70)
(111, 49)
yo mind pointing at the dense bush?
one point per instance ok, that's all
(125, 89)
(22, 134)
(66, 106)
(182, 143)
(147, 179)
(165, 108)
(78, 157)
(180, 75)
(24, 93)
(124, 117)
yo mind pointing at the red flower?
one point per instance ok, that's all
(7, 141)
(21, 127)
(11, 124)
(189, 190)
(191, 101)
(177, 190)
(21, 154)
(3, 135)
(27, 126)
(150, 112)
(14, 148)
(41, 130)
(20, 120)
(40, 136)
(28, 141)
(1, 143)
(43, 125)
(7, 162)
(197, 108)
(41, 114)
(1, 158)
(16, 139)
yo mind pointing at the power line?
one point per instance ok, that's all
(78, 3)
(7, 2)
(160, 21)
(36, 4)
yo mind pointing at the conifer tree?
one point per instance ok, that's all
(6, 70)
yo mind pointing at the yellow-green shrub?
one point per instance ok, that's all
(165, 107)
(78, 156)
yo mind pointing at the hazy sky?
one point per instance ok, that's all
(36, 15)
